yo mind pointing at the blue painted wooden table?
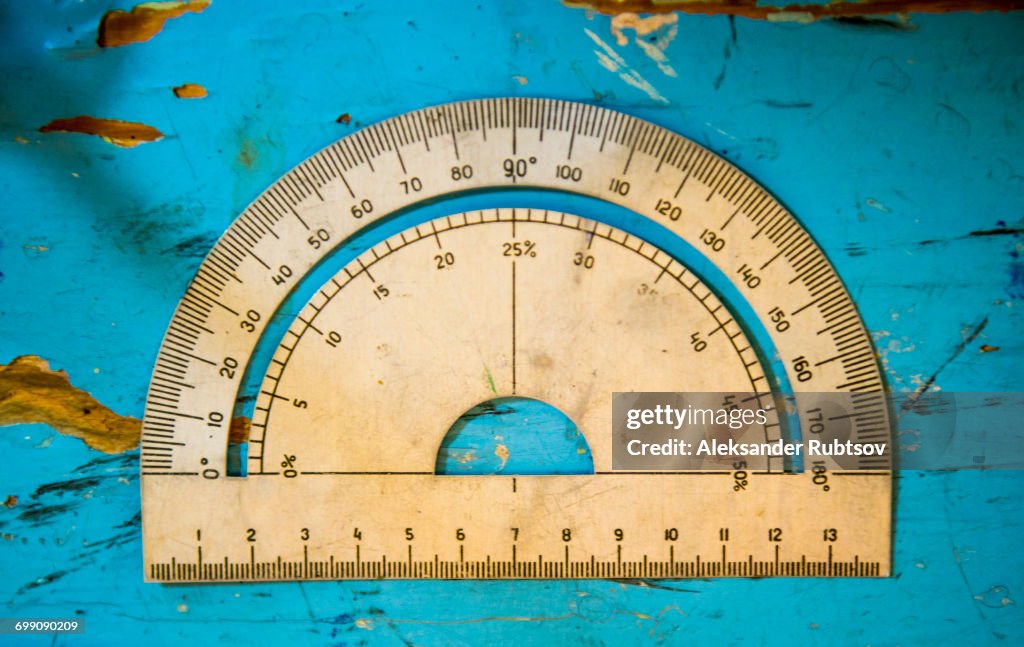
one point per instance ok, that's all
(898, 145)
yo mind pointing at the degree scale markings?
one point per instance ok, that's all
(351, 156)
(364, 177)
(554, 253)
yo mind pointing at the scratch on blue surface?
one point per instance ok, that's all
(1016, 286)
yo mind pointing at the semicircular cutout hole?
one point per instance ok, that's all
(514, 436)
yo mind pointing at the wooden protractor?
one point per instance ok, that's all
(457, 310)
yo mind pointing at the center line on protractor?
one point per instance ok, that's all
(514, 320)
(478, 305)
(514, 354)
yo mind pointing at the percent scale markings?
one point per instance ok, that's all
(455, 311)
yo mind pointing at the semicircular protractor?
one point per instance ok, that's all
(353, 368)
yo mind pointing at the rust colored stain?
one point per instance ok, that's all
(247, 155)
(985, 348)
(10, 501)
(126, 134)
(344, 119)
(190, 91)
(143, 22)
(796, 12)
(239, 430)
(32, 393)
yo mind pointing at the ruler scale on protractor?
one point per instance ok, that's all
(389, 351)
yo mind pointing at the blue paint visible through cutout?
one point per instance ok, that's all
(514, 435)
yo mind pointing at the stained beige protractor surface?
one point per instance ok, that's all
(474, 306)
(503, 302)
(615, 526)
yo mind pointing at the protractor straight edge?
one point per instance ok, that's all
(507, 301)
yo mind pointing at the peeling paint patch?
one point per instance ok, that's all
(143, 22)
(653, 36)
(501, 451)
(613, 62)
(190, 91)
(642, 26)
(10, 501)
(801, 17)
(32, 393)
(239, 430)
(463, 457)
(875, 204)
(996, 597)
(344, 118)
(800, 13)
(986, 348)
(126, 134)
